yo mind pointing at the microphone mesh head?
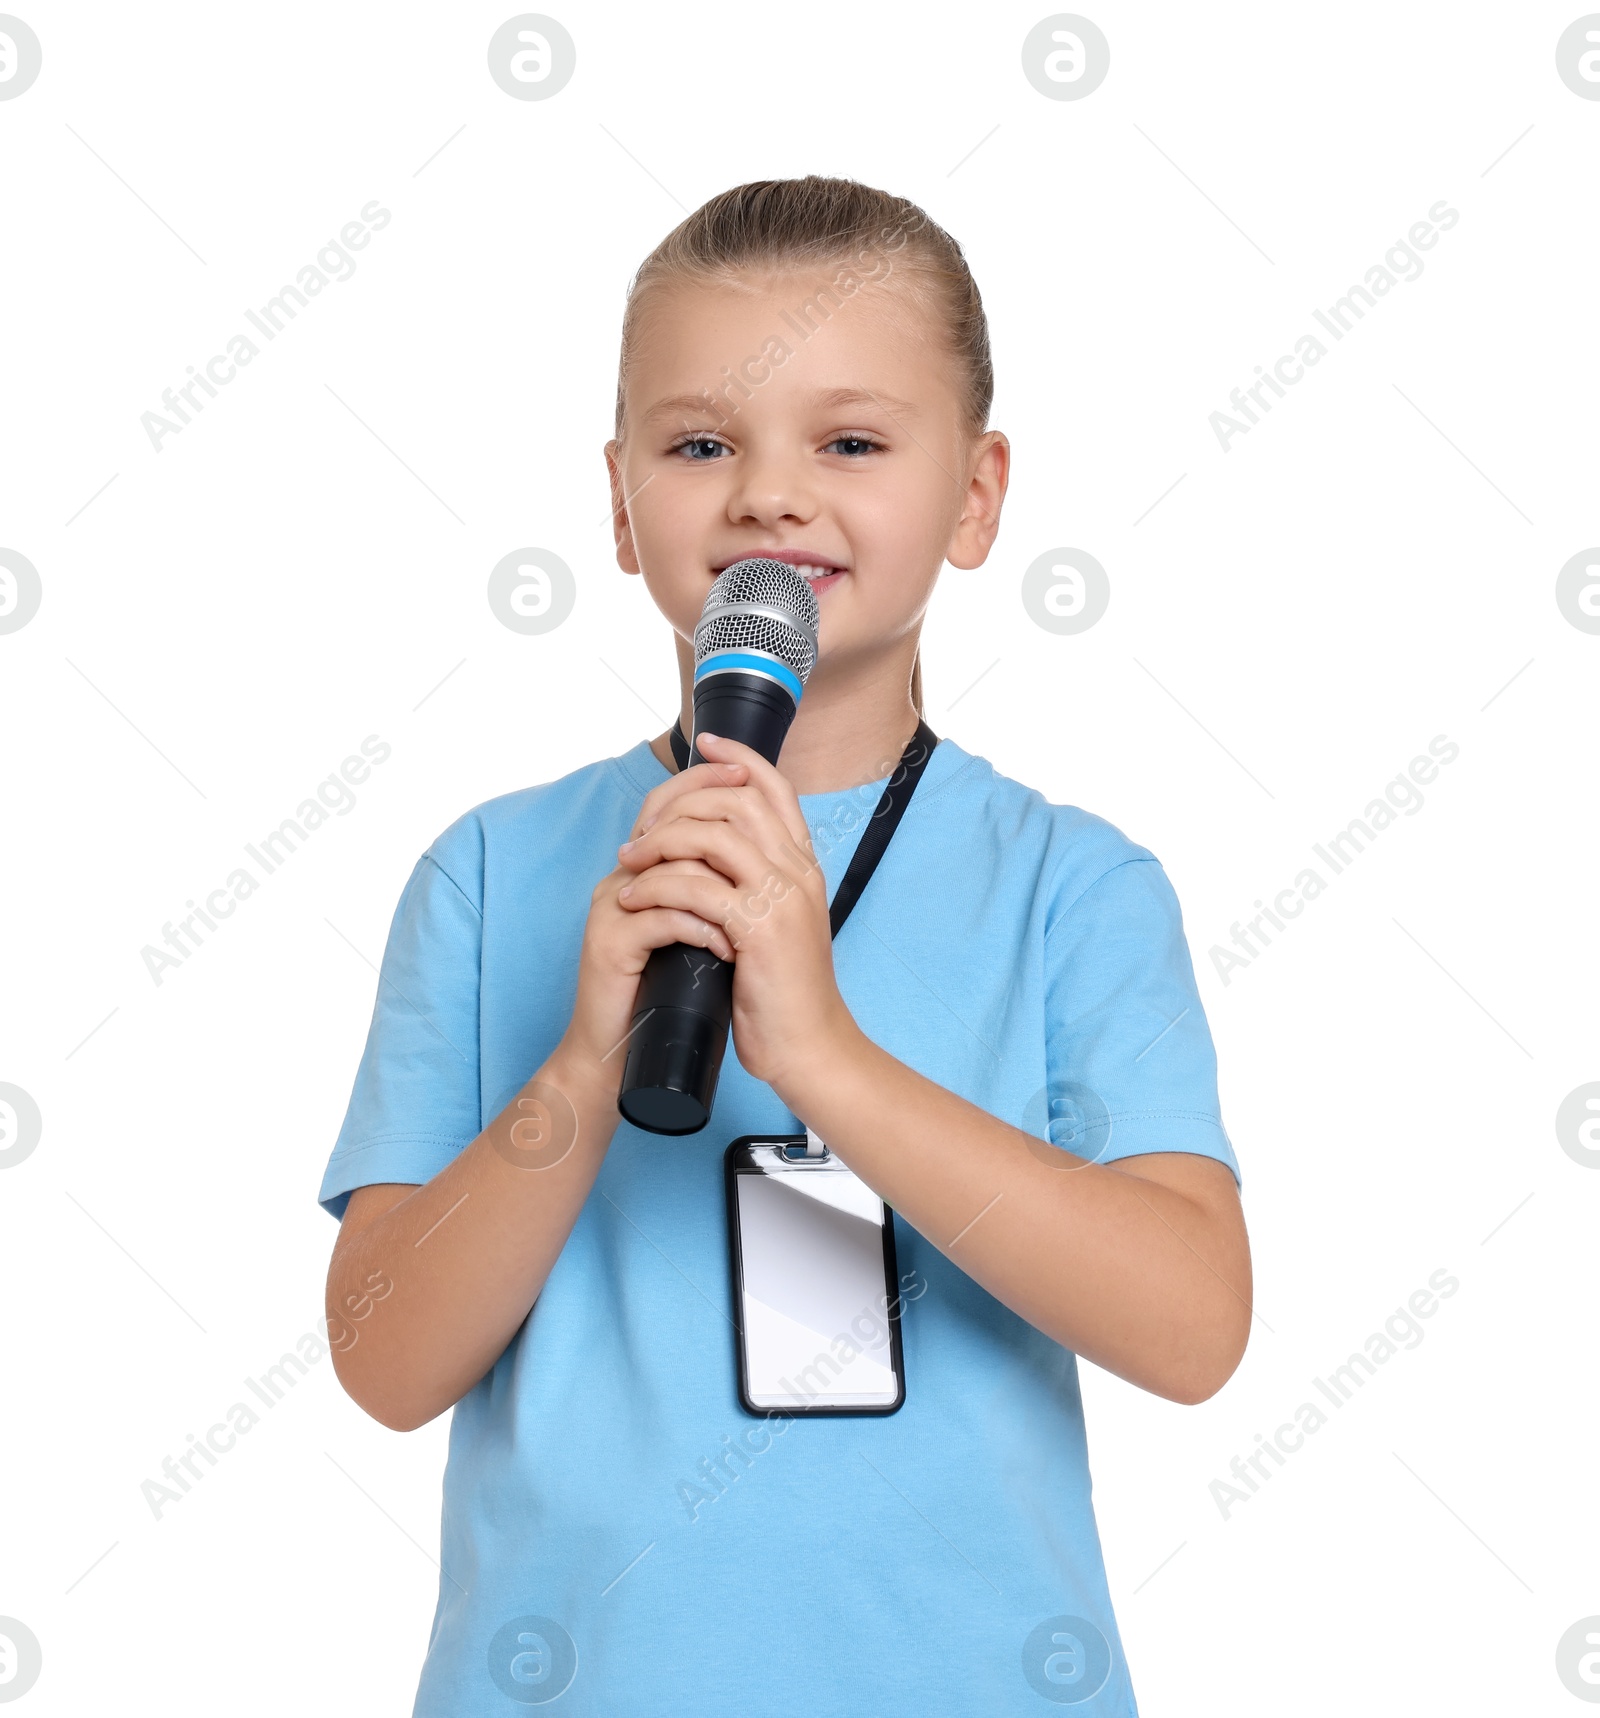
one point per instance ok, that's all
(760, 605)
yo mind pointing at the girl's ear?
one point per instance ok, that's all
(979, 524)
(620, 528)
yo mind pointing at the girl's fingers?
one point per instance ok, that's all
(696, 867)
(708, 901)
(742, 809)
(773, 787)
(664, 925)
(717, 844)
(724, 774)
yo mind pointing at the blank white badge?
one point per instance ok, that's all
(816, 1330)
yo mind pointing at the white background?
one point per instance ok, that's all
(1288, 627)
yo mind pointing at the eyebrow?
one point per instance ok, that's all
(827, 397)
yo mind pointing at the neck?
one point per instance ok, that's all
(848, 730)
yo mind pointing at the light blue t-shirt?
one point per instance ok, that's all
(619, 1534)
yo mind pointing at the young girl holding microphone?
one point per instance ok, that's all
(1006, 1044)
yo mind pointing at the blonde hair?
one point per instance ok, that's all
(781, 225)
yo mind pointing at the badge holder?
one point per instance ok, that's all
(816, 1290)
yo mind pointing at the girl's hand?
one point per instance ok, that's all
(619, 938)
(725, 842)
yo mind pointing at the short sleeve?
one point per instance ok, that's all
(415, 1102)
(1130, 1065)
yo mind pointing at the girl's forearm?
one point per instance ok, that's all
(1147, 1279)
(468, 1252)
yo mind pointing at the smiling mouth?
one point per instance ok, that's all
(821, 578)
(820, 575)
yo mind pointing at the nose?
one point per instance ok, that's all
(773, 485)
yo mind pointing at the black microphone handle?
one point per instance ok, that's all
(684, 1006)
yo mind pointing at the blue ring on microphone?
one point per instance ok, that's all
(726, 660)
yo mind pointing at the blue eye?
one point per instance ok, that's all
(859, 441)
(696, 441)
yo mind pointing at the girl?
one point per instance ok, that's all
(1006, 1044)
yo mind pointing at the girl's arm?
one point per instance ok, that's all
(467, 1253)
(1141, 1266)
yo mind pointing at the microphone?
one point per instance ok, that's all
(754, 648)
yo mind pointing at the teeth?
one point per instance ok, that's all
(810, 571)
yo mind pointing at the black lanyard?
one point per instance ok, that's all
(875, 837)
